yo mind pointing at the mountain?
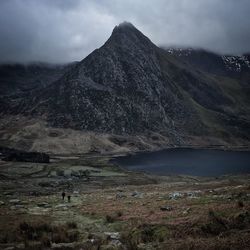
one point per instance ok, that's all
(225, 65)
(17, 78)
(131, 87)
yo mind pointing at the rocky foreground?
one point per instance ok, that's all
(111, 208)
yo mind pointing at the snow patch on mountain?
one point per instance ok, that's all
(180, 51)
(236, 63)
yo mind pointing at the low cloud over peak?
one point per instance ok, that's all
(64, 31)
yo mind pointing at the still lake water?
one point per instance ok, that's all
(196, 162)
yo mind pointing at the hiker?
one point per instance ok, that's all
(69, 198)
(63, 195)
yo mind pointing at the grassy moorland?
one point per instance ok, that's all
(111, 208)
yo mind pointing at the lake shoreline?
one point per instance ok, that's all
(187, 161)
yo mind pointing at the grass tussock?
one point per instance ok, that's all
(71, 225)
(41, 234)
(145, 234)
(111, 218)
(218, 224)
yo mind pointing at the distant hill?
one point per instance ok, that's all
(17, 78)
(227, 65)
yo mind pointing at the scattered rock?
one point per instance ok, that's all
(120, 195)
(166, 208)
(19, 206)
(115, 243)
(193, 194)
(24, 202)
(114, 238)
(75, 174)
(14, 207)
(229, 197)
(64, 246)
(44, 204)
(160, 198)
(62, 206)
(38, 210)
(20, 246)
(9, 248)
(137, 194)
(96, 238)
(113, 235)
(175, 195)
(52, 174)
(7, 193)
(14, 201)
(47, 184)
(59, 172)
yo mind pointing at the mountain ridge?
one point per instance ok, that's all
(129, 86)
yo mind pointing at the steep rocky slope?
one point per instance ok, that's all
(130, 86)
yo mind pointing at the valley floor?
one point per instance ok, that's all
(111, 208)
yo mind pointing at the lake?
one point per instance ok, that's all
(181, 161)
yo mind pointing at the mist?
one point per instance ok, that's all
(64, 31)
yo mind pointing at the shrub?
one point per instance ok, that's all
(110, 219)
(72, 225)
(46, 233)
(45, 241)
(119, 213)
(145, 234)
(240, 204)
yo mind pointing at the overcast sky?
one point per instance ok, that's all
(68, 30)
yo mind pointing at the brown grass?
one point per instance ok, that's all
(42, 233)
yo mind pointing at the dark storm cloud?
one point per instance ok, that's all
(67, 30)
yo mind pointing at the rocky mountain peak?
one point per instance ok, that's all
(125, 25)
(127, 34)
(125, 28)
(129, 86)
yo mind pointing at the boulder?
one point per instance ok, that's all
(52, 174)
(175, 195)
(120, 195)
(14, 201)
(137, 194)
(113, 235)
(193, 194)
(67, 173)
(72, 245)
(62, 206)
(44, 204)
(14, 207)
(166, 208)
